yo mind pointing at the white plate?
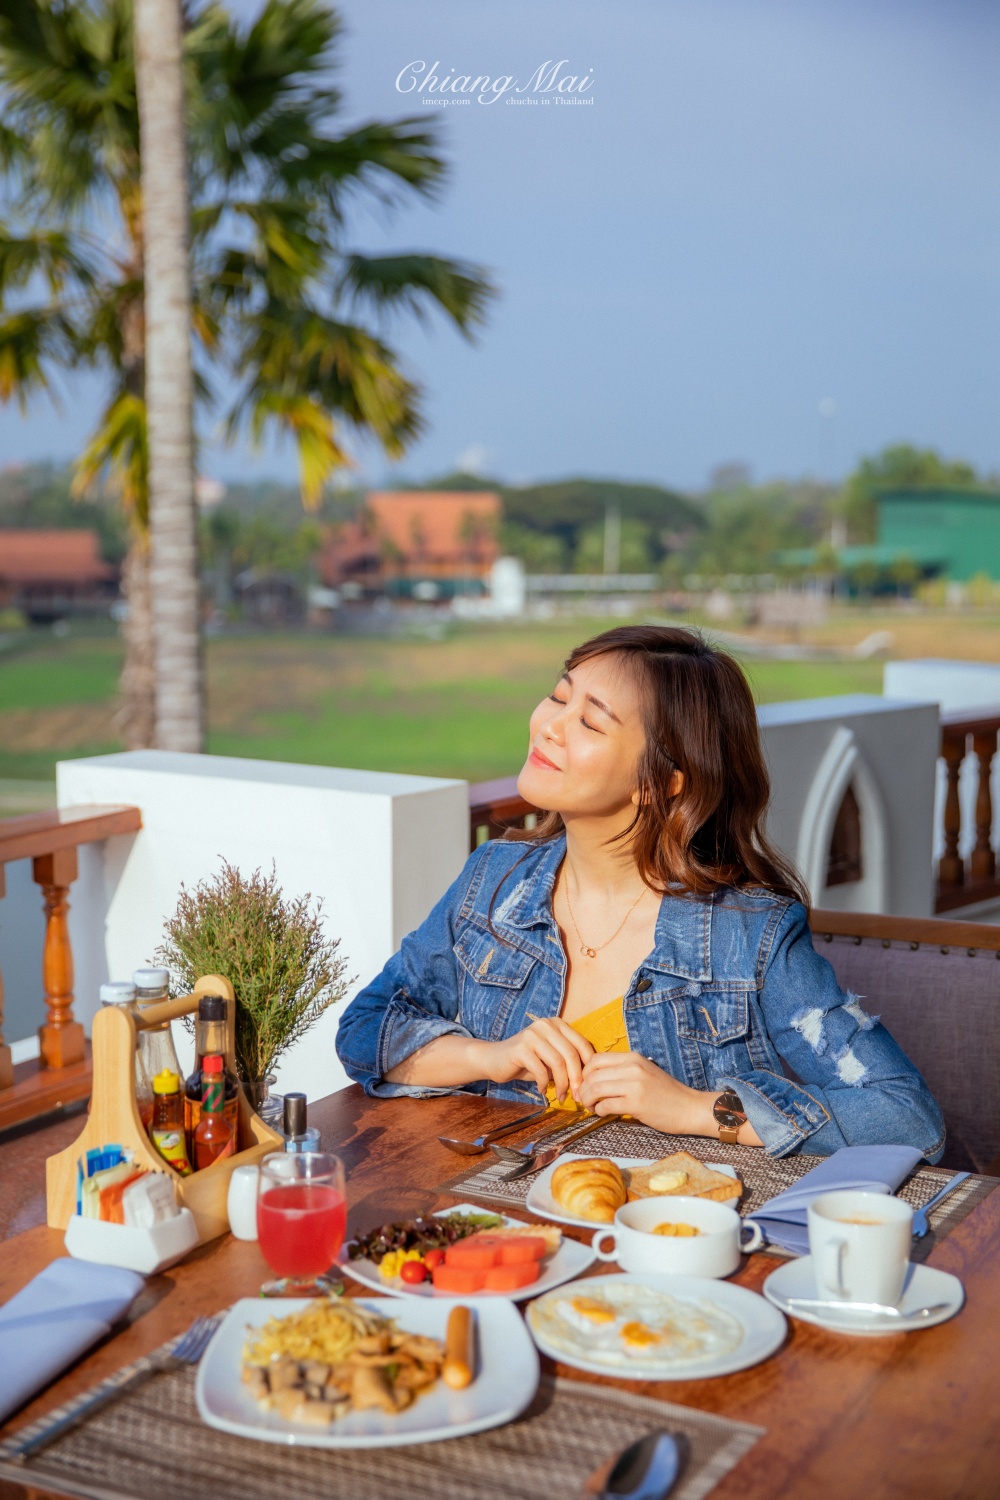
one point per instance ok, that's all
(571, 1259)
(506, 1379)
(541, 1202)
(763, 1327)
(925, 1285)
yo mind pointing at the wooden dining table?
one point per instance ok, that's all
(908, 1414)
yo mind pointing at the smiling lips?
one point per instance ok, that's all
(541, 760)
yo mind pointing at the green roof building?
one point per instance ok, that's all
(952, 534)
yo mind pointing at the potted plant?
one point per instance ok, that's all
(272, 948)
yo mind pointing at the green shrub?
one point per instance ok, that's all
(284, 971)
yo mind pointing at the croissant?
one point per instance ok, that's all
(592, 1189)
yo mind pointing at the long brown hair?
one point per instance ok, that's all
(699, 718)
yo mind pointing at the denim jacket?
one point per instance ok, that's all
(733, 995)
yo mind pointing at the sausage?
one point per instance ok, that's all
(457, 1372)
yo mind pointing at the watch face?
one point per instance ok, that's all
(728, 1109)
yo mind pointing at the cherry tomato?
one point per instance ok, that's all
(413, 1271)
(433, 1258)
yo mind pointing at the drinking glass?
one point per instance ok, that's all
(301, 1221)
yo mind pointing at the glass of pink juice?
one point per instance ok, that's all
(301, 1221)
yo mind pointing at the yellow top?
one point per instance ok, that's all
(604, 1029)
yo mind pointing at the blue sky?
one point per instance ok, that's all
(773, 209)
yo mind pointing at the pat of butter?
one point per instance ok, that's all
(667, 1182)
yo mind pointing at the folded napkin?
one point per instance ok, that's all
(49, 1323)
(873, 1169)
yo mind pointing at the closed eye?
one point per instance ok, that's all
(591, 726)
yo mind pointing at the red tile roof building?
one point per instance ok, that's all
(404, 537)
(42, 571)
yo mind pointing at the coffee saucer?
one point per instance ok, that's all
(924, 1287)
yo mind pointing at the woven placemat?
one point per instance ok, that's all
(152, 1442)
(763, 1177)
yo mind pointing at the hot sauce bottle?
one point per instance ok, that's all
(214, 1136)
(209, 1040)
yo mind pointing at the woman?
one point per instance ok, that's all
(645, 951)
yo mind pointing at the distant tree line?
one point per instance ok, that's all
(733, 528)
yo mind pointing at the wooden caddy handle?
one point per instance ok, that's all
(114, 1113)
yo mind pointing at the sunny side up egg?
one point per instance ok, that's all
(633, 1325)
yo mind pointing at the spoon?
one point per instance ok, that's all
(648, 1469)
(482, 1142)
(868, 1307)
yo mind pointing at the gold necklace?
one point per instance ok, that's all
(585, 949)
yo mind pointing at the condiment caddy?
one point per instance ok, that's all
(114, 1116)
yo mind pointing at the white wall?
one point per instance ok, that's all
(889, 751)
(379, 850)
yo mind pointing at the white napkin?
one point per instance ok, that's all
(49, 1323)
(873, 1169)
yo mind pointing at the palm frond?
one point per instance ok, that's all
(413, 281)
(342, 367)
(117, 451)
(313, 431)
(31, 341)
(54, 255)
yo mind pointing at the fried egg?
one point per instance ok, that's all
(634, 1325)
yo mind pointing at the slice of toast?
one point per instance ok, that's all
(699, 1181)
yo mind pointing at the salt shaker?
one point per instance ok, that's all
(242, 1202)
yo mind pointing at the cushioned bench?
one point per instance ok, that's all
(936, 986)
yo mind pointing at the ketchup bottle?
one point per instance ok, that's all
(214, 1136)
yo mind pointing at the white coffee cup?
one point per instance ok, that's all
(241, 1202)
(714, 1251)
(860, 1246)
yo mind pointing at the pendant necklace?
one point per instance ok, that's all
(585, 949)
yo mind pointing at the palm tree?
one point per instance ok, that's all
(159, 79)
(278, 293)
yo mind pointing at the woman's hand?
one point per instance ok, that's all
(626, 1083)
(548, 1052)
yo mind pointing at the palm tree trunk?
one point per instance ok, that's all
(138, 703)
(174, 580)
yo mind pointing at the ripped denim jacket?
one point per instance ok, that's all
(733, 995)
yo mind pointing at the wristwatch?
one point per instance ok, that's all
(730, 1114)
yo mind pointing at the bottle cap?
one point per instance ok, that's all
(295, 1114)
(152, 982)
(212, 1063)
(117, 992)
(211, 1008)
(166, 1082)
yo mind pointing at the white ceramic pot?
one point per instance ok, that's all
(714, 1251)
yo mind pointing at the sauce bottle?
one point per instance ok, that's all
(122, 992)
(156, 1046)
(214, 1137)
(209, 1040)
(167, 1133)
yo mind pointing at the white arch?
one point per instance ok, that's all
(842, 765)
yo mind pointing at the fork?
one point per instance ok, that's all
(187, 1351)
(479, 1145)
(541, 1153)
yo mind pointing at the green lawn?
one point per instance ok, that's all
(453, 707)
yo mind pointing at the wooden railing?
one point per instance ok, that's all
(495, 806)
(962, 882)
(61, 1073)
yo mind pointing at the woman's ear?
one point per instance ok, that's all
(676, 783)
